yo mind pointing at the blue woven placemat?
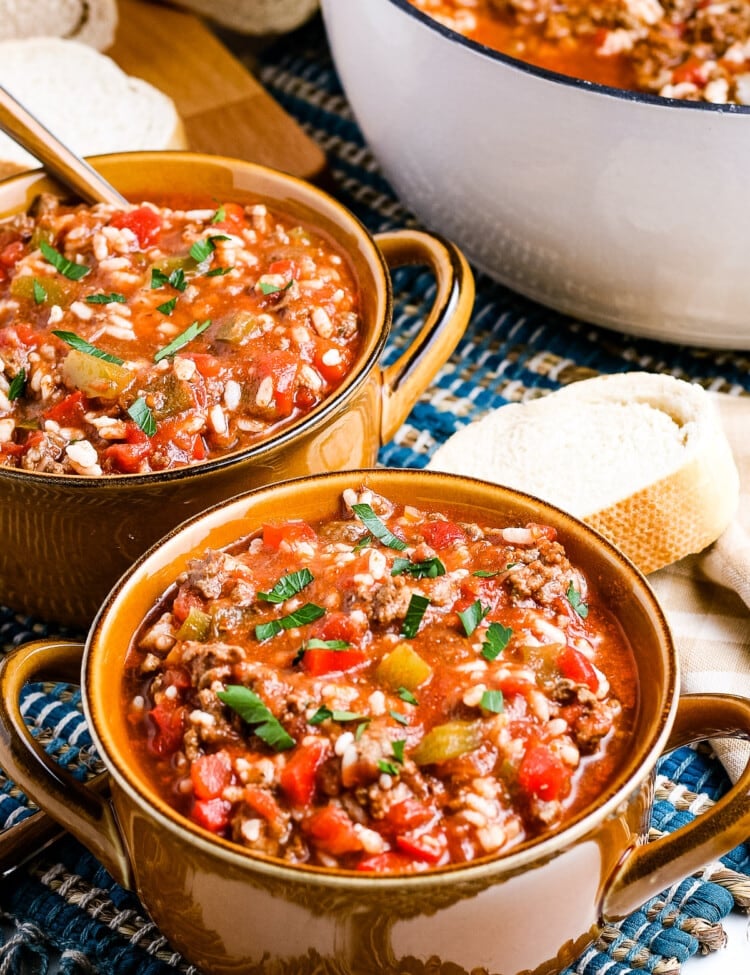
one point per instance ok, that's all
(64, 905)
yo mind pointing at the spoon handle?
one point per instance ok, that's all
(60, 161)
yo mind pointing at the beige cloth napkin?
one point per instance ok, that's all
(706, 597)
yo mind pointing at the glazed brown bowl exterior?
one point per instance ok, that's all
(231, 911)
(66, 539)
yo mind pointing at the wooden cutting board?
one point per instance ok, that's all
(225, 110)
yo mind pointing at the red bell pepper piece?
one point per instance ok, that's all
(69, 411)
(297, 779)
(211, 774)
(211, 814)
(331, 829)
(319, 661)
(577, 667)
(542, 774)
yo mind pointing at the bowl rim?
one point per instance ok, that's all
(581, 84)
(255, 452)
(618, 791)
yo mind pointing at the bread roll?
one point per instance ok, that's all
(641, 457)
(88, 21)
(85, 99)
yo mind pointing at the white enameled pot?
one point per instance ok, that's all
(627, 210)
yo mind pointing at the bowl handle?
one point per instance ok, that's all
(81, 809)
(406, 379)
(650, 868)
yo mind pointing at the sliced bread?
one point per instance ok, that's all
(641, 457)
(88, 21)
(85, 99)
(254, 16)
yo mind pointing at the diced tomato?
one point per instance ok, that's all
(185, 600)
(18, 335)
(207, 365)
(423, 846)
(262, 802)
(211, 814)
(318, 661)
(408, 815)
(69, 411)
(176, 677)
(577, 667)
(339, 626)
(234, 218)
(443, 534)
(542, 774)
(174, 438)
(333, 831)
(12, 449)
(514, 685)
(692, 71)
(281, 367)
(297, 778)
(287, 533)
(388, 862)
(144, 222)
(168, 720)
(543, 531)
(331, 371)
(128, 457)
(211, 774)
(287, 269)
(12, 253)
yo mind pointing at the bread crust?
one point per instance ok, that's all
(686, 489)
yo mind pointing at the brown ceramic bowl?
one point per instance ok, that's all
(230, 911)
(66, 539)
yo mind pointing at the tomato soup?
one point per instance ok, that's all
(395, 689)
(153, 337)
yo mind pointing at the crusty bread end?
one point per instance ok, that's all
(641, 457)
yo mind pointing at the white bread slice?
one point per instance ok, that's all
(85, 99)
(641, 457)
(88, 21)
(254, 16)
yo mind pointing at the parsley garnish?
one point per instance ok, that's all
(81, 345)
(406, 695)
(274, 289)
(221, 214)
(140, 413)
(252, 709)
(314, 644)
(40, 295)
(58, 261)
(401, 718)
(429, 569)
(323, 714)
(203, 248)
(167, 307)
(473, 616)
(574, 598)
(114, 297)
(398, 750)
(216, 272)
(360, 730)
(486, 573)
(498, 637)
(305, 614)
(363, 543)
(493, 701)
(176, 279)
(417, 605)
(17, 385)
(181, 340)
(387, 767)
(288, 586)
(381, 531)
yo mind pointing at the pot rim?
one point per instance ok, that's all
(317, 417)
(618, 791)
(546, 74)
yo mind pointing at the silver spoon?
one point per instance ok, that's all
(58, 159)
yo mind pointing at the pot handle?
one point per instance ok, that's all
(81, 809)
(406, 379)
(650, 868)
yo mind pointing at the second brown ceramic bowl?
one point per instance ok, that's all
(232, 912)
(65, 540)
